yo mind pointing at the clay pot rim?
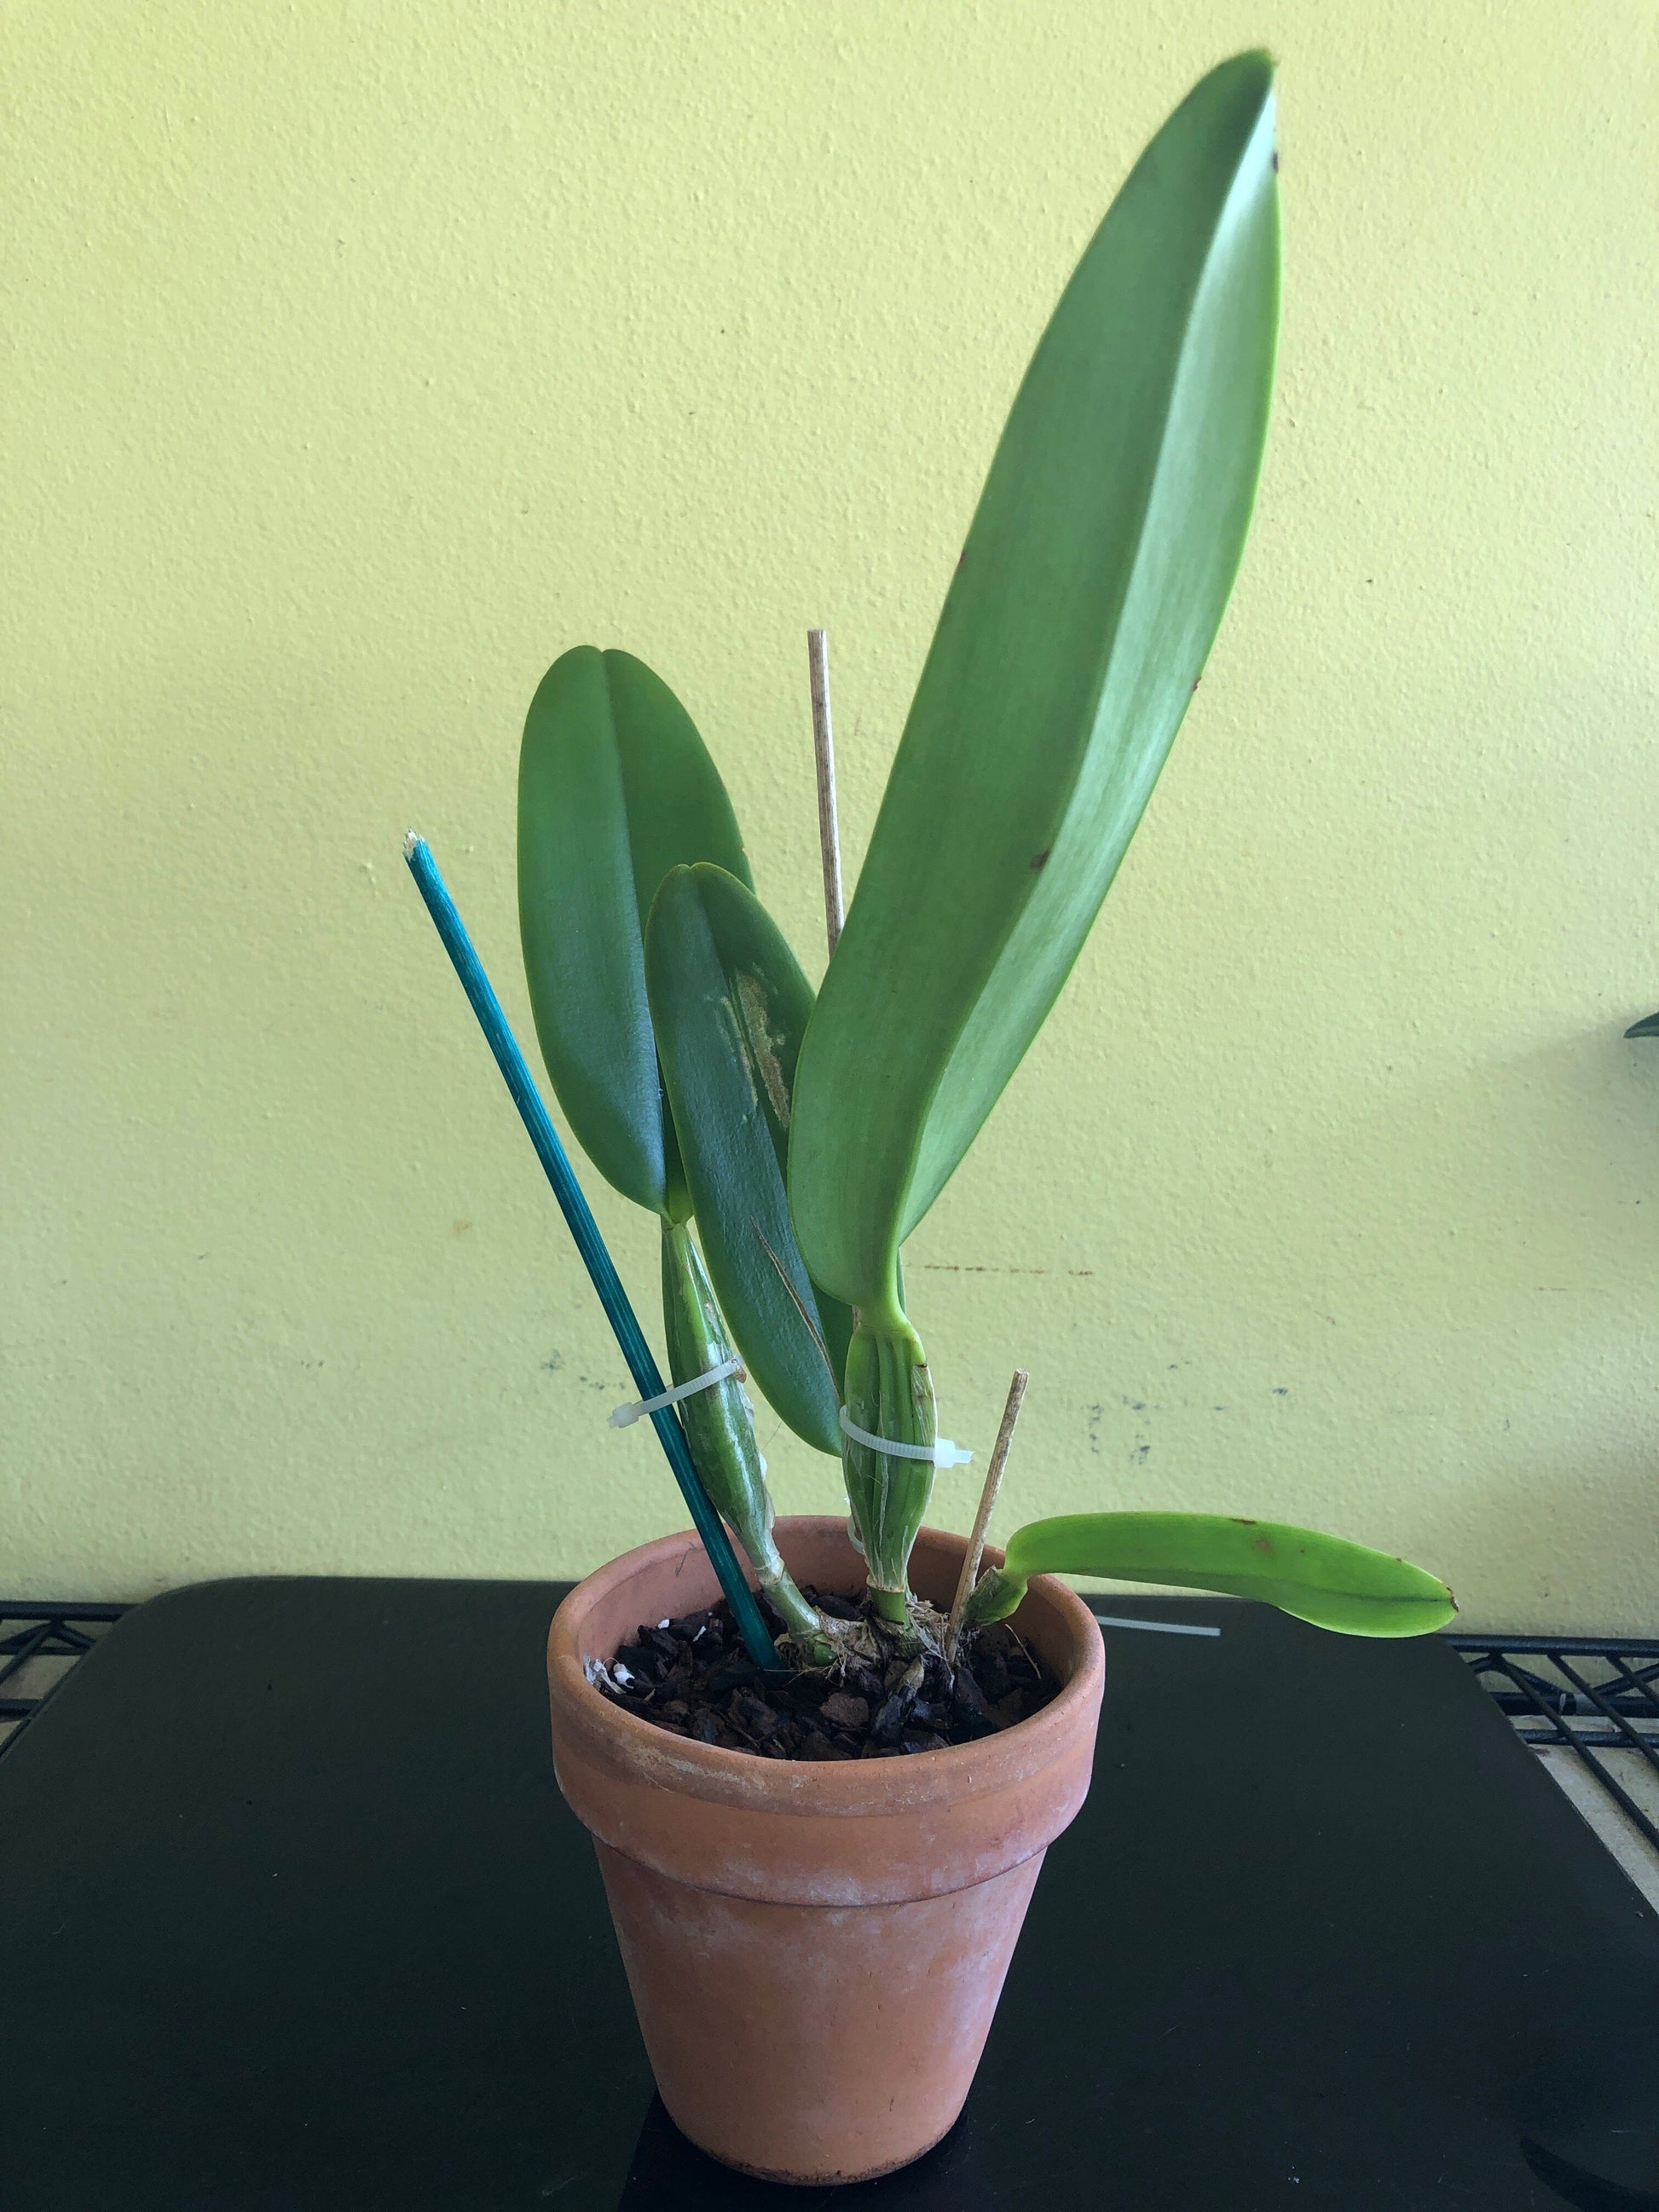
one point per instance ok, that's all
(851, 1787)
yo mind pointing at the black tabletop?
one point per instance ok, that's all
(293, 1919)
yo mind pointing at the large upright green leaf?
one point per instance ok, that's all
(615, 789)
(730, 1005)
(1324, 1579)
(1087, 598)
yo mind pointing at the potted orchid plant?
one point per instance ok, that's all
(818, 1858)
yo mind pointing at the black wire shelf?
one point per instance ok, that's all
(1593, 1696)
(39, 1642)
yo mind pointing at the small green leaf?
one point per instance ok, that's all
(729, 1003)
(1647, 1027)
(615, 789)
(1323, 1579)
(1086, 600)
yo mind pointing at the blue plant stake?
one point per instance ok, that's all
(641, 1365)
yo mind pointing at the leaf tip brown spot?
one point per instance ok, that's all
(1041, 861)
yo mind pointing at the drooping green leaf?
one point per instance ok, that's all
(1647, 1027)
(730, 1004)
(615, 789)
(1323, 1579)
(1088, 594)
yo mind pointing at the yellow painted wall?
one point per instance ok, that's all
(368, 354)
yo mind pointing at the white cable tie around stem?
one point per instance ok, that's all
(941, 1452)
(625, 1416)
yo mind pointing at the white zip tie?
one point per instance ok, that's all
(625, 1416)
(941, 1452)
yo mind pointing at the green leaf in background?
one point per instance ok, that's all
(1088, 595)
(1647, 1027)
(615, 789)
(730, 1004)
(1324, 1579)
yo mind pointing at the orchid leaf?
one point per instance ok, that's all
(615, 789)
(1323, 1579)
(730, 1005)
(1088, 594)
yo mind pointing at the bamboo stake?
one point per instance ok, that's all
(824, 748)
(988, 1498)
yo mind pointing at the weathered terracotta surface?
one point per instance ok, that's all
(815, 1951)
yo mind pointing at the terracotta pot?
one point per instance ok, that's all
(815, 1951)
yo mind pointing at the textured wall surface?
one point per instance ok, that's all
(365, 355)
